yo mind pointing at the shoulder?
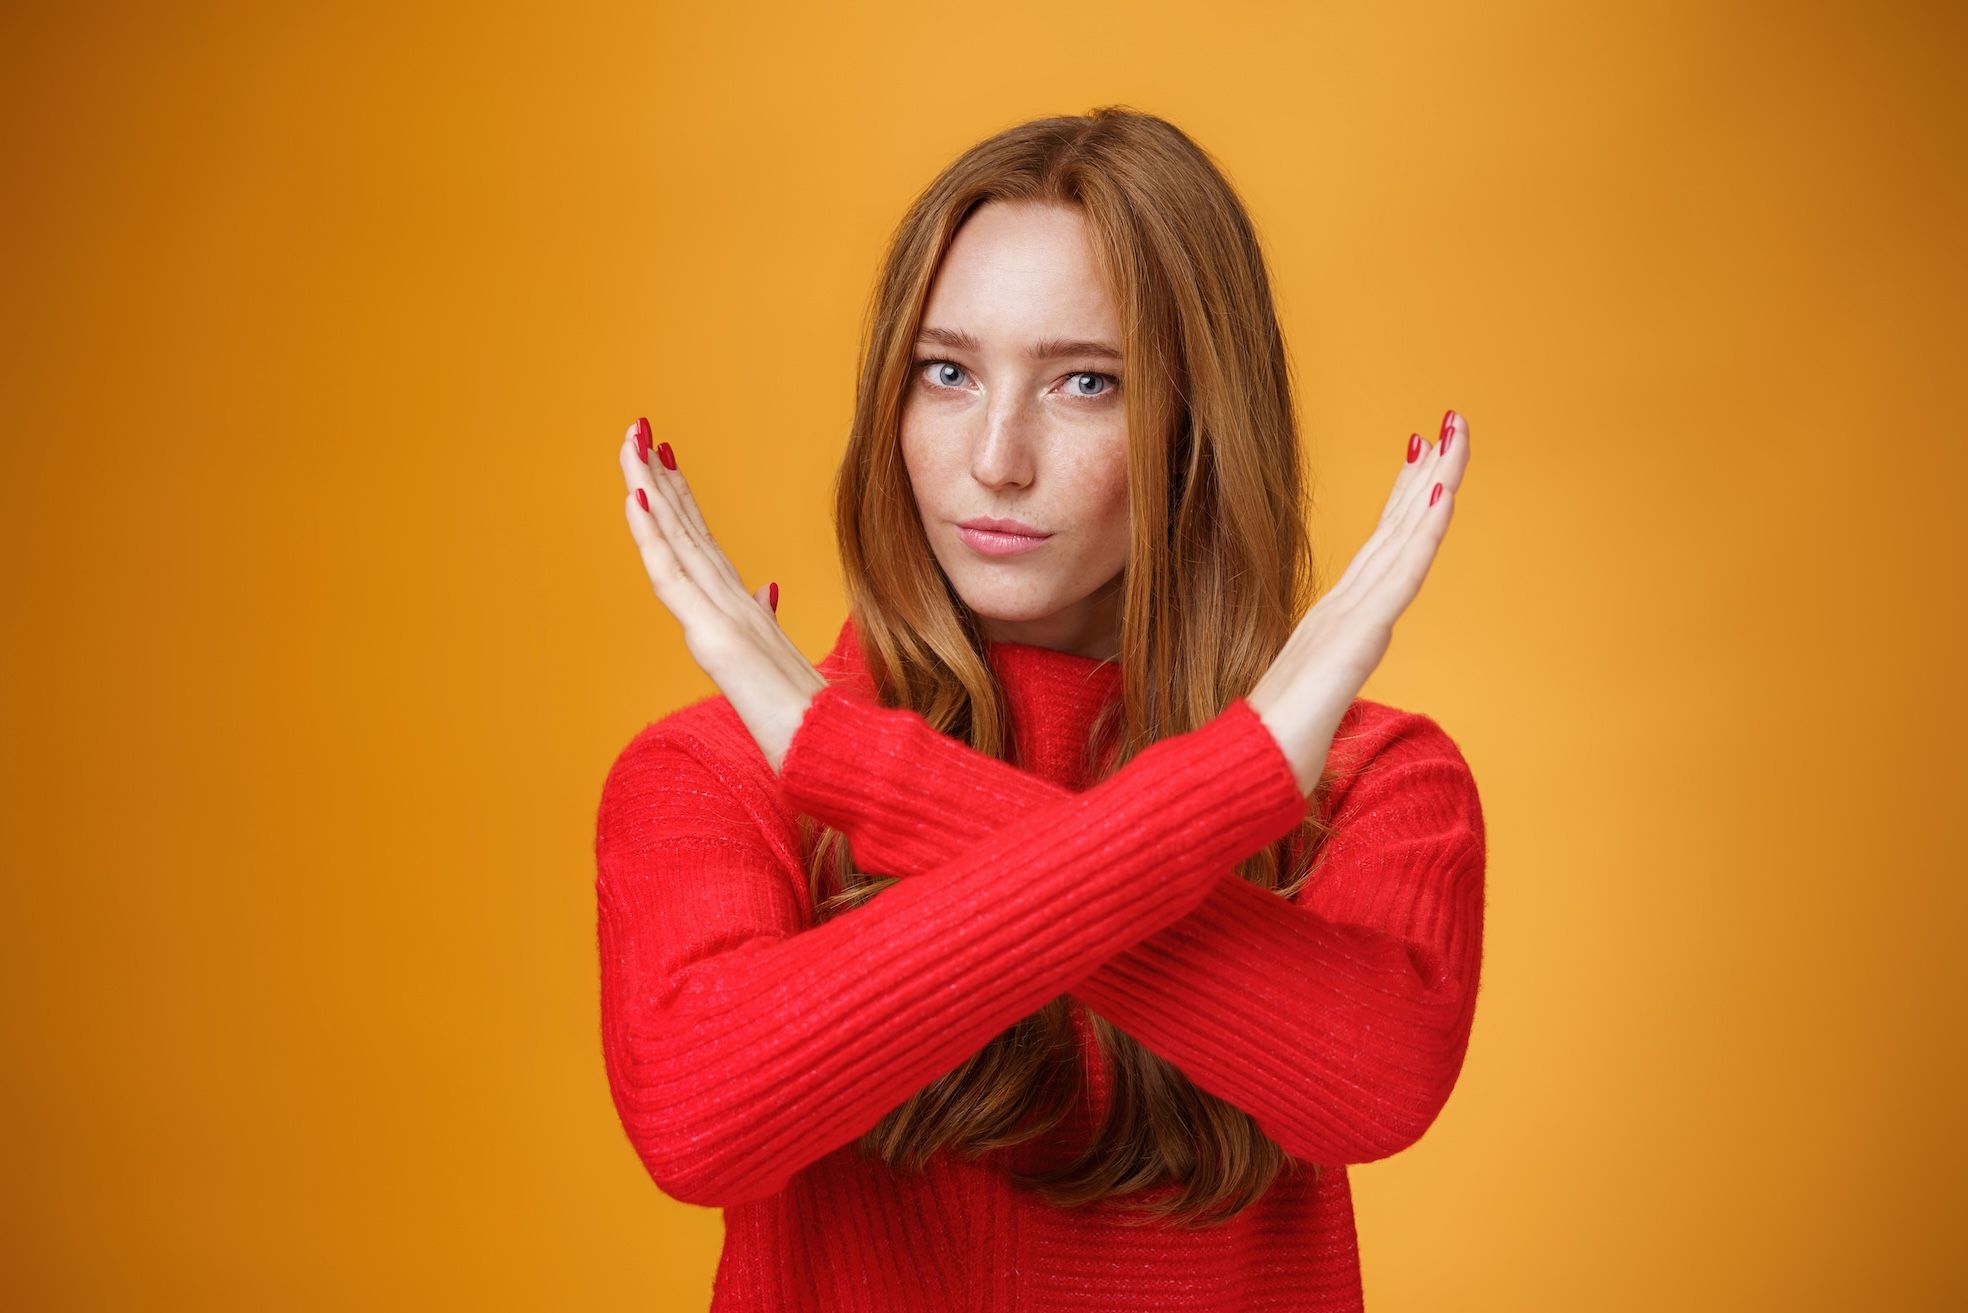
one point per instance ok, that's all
(1381, 731)
(1381, 750)
(708, 728)
(699, 758)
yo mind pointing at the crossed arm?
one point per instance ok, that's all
(743, 1043)
(1339, 1022)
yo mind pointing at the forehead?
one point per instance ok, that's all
(1019, 272)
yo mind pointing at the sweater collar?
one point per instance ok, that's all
(1053, 697)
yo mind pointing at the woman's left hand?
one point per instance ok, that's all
(730, 632)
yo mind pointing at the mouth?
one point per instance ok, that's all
(990, 536)
(998, 524)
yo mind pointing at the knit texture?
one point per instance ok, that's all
(747, 1048)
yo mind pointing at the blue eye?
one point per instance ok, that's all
(948, 374)
(945, 365)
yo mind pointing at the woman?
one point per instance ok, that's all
(1076, 728)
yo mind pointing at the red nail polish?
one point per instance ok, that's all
(1448, 424)
(775, 597)
(642, 440)
(1445, 442)
(1414, 447)
(641, 500)
(1433, 496)
(664, 454)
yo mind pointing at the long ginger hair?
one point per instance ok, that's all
(1219, 571)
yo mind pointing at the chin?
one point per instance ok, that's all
(1007, 601)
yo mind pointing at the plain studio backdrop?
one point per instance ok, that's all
(322, 327)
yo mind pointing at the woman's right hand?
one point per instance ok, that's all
(1325, 663)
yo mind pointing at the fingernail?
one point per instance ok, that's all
(774, 594)
(1435, 494)
(641, 500)
(1448, 424)
(1414, 447)
(664, 454)
(642, 440)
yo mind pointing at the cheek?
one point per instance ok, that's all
(925, 430)
(1104, 482)
(918, 447)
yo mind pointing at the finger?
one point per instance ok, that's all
(1389, 594)
(688, 500)
(1456, 460)
(1412, 499)
(680, 552)
(1410, 503)
(704, 563)
(676, 490)
(1409, 473)
(1417, 509)
(1397, 588)
(1393, 525)
(768, 599)
(675, 588)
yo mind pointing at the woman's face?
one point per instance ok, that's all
(1014, 410)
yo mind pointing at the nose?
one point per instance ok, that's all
(1004, 453)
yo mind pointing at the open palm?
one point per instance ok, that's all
(1341, 640)
(731, 631)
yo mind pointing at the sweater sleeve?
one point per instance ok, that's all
(1339, 1021)
(743, 1043)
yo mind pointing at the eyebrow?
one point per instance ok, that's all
(1051, 348)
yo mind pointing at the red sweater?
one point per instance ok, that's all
(747, 1048)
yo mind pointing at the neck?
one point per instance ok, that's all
(1090, 627)
(1053, 698)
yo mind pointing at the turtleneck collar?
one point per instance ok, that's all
(1053, 697)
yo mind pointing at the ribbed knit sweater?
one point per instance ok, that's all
(747, 1048)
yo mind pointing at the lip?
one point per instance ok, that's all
(992, 536)
(996, 524)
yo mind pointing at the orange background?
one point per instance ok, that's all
(322, 329)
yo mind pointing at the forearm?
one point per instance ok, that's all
(1342, 1039)
(737, 1064)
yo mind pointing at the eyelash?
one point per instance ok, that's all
(1112, 379)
